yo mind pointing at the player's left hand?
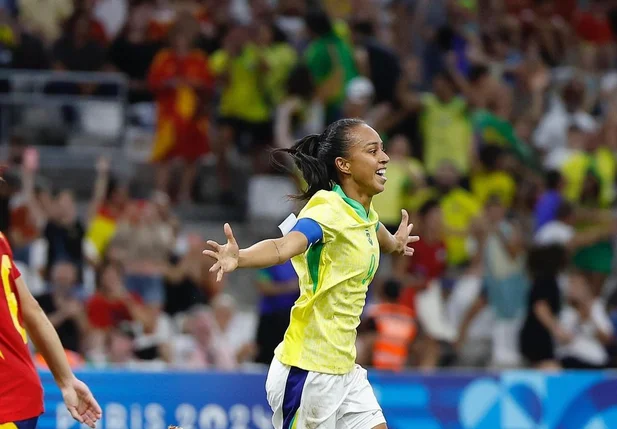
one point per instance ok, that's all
(80, 403)
(403, 236)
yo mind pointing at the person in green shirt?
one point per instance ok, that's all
(330, 59)
(493, 130)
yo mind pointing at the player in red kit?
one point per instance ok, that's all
(21, 393)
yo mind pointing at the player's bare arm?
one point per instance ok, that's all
(263, 254)
(399, 242)
(77, 397)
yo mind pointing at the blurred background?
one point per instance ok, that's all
(130, 130)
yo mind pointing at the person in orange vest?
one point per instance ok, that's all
(389, 330)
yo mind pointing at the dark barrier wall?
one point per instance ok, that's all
(510, 400)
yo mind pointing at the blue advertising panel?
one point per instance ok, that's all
(510, 400)
(136, 400)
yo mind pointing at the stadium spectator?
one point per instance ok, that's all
(63, 304)
(109, 201)
(492, 179)
(231, 327)
(550, 200)
(132, 51)
(64, 233)
(20, 49)
(504, 282)
(586, 319)
(388, 331)
(96, 30)
(461, 214)
(199, 347)
(120, 352)
(45, 19)
(145, 246)
(564, 112)
(446, 103)
(422, 277)
(30, 208)
(330, 60)
(113, 304)
(381, 64)
(541, 330)
(244, 111)
(181, 80)
(278, 287)
(562, 232)
(279, 58)
(188, 281)
(300, 112)
(77, 50)
(120, 347)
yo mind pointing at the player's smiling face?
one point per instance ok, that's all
(367, 160)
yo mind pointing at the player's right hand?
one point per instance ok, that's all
(80, 403)
(226, 256)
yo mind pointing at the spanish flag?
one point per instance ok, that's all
(100, 232)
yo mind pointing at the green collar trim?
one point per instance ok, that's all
(358, 208)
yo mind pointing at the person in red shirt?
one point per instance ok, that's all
(181, 81)
(593, 25)
(422, 276)
(112, 304)
(21, 391)
(429, 262)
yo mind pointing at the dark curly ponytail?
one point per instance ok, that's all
(315, 156)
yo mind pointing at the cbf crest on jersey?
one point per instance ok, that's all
(368, 236)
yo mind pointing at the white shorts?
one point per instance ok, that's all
(310, 400)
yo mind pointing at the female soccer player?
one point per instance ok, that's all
(314, 381)
(21, 392)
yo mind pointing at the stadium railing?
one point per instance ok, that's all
(71, 128)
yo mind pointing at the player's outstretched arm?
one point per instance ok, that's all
(264, 254)
(77, 397)
(399, 242)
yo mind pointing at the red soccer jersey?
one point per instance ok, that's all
(21, 393)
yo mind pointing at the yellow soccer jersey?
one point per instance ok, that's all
(334, 276)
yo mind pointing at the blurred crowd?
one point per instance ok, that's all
(500, 120)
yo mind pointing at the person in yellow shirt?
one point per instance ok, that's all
(445, 123)
(491, 180)
(460, 211)
(280, 58)
(244, 112)
(590, 177)
(334, 247)
(45, 19)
